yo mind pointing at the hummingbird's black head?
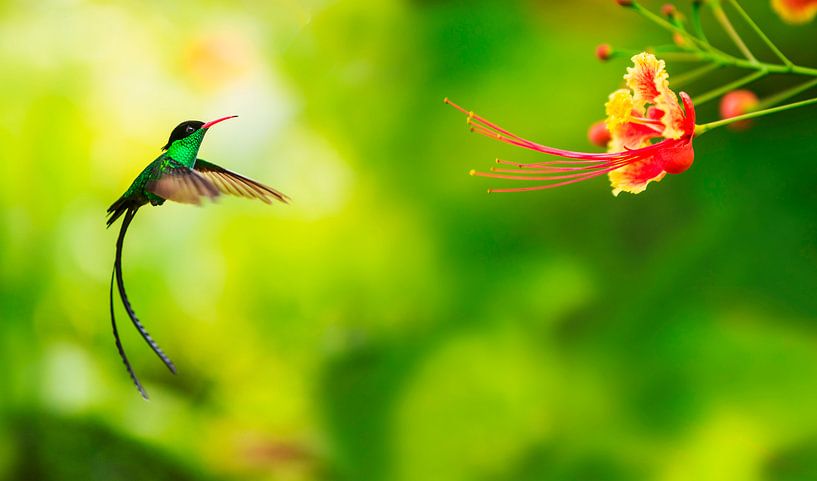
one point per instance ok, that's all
(183, 130)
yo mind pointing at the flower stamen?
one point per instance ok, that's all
(550, 186)
(528, 176)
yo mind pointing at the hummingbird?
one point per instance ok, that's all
(177, 175)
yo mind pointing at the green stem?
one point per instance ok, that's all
(675, 56)
(695, 42)
(705, 51)
(771, 68)
(694, 74)
(713, 94)
(720, 15)
(760, 33)
(728, 60)
(679, 56)
(696, 21)
(701, 129)
(670, 47)
(676, 21)
(785, 95)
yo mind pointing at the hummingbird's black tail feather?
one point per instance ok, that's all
(130, 213)
(122, 349)
(118, 208)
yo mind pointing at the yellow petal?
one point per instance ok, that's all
(633, 178)
(619, 109)
(647, 79)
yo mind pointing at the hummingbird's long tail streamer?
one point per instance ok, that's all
(121, 285)
(122, 349)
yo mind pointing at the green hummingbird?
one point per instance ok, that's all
(177, 175)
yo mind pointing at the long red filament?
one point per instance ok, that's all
(571, 167)
(489, 129)
(548, 186)
(546, 177)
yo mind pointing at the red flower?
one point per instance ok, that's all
(646, 111)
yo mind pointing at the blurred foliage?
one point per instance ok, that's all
(394, 322)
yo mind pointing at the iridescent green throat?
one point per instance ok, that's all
(184, 151)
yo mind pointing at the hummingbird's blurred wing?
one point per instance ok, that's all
(182, 184)
(231, 183)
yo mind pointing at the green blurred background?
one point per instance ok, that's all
(395, 322)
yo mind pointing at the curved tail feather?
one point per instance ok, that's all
(121, 349)
(131, 212)
(116, 209)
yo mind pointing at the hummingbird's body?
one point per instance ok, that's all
(178, 175)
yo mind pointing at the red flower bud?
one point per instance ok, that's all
(668, 9)
(604, 52)
(625, 3)
(738, 102)
(796, 11)
(598, 134)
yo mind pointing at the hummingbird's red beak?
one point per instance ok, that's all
(214, 122)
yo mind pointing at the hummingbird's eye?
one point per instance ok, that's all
(189, 129)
